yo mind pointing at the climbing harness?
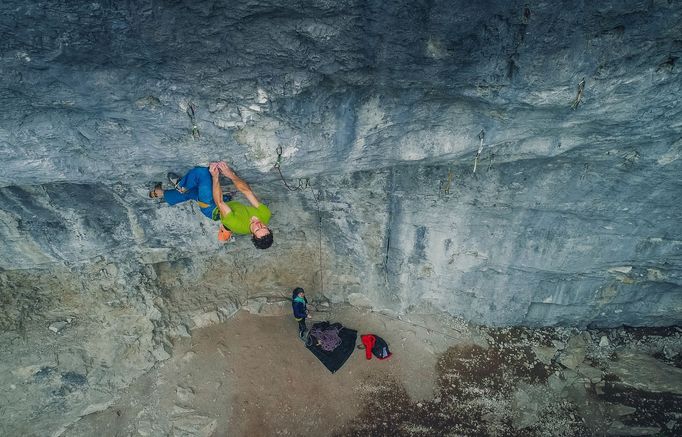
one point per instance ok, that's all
(579, 96)
(192, 118)
(481, 136)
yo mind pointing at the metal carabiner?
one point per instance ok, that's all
(279, 157)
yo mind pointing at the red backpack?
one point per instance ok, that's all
(375, 345)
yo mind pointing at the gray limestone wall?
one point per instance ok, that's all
(572, 217)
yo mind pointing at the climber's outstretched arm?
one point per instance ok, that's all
(217, 191)
(238, 182)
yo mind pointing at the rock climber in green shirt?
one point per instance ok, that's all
(236, 217)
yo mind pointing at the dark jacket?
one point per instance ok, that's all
(300, 311)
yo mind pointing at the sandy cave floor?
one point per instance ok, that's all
(252, 376)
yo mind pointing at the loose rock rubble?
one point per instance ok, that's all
(547, 382)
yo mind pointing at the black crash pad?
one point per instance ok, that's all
(335, 359)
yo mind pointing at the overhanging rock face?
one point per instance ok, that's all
(572, 216)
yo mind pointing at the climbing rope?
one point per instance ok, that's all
(192, 117)
(303, 184)
(328, 339)
(319, 233)
(579, 96)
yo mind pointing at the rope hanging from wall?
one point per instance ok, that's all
(303, 184)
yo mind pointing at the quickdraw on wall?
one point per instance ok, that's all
(481, 136)
(303, 183)
(192, 118)
(579, 95)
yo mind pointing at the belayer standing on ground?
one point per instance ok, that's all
(202, 184)
(299, 304)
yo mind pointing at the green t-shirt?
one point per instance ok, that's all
(239, 219)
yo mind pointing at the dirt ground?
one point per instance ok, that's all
(252, 376)
(277, 387)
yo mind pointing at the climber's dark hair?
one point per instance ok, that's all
(297, 290)
(263, 242)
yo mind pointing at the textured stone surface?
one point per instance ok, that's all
(640, 370)
(572, 217)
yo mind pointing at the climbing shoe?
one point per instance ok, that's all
(174, 179)
(153, 193)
